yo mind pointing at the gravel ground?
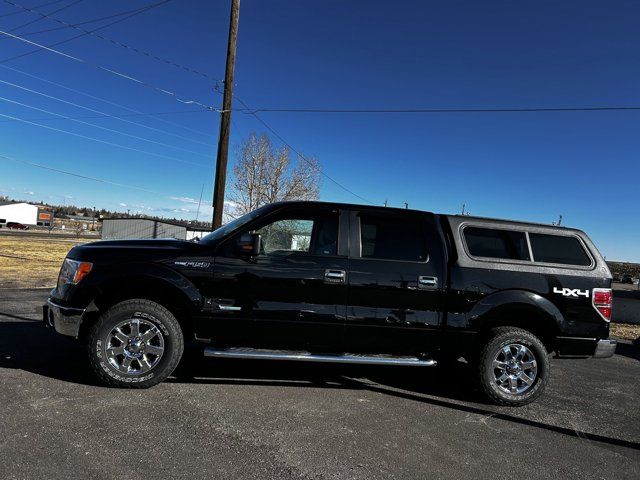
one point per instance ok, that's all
(275, 420)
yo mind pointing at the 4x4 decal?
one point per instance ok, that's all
(571, 292)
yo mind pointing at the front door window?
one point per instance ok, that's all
(318, 236)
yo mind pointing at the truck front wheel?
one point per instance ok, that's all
(135, 344)
(513, 367)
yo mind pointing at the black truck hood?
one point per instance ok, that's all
(150, 243)
(136, 250)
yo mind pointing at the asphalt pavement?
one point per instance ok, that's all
(263, 420)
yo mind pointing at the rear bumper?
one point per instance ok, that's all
(65, 320)
(585, 347)
(605, 348)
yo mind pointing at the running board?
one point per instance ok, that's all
(259, 354)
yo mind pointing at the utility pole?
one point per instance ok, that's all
(199, 202)
(225, 118)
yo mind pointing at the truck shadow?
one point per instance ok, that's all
(451, 382)
(631, 350)
(26, 345)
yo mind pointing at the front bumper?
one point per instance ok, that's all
(65, 320)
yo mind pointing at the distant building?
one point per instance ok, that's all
(127, 228)
(80, 218)
(25, 213)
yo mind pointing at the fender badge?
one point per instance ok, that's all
(193, 264)
(571, 292)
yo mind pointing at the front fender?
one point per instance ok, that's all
(134, 276)
(501, 303)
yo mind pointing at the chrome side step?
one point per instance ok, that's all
(259, 354)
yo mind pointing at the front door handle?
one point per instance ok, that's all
(334, 276)
(427, 283)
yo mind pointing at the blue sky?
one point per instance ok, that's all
(355, 54)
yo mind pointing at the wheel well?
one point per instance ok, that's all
(157, 291)
(540, 324)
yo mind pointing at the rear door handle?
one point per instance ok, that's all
(427, 283)
(334, 276)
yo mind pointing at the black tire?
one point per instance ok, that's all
(486, 373)
(150, 313)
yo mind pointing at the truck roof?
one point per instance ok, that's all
(460, 218)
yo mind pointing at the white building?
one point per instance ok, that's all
(24, 213)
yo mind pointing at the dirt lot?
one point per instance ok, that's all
(31, 260)
(628, 332)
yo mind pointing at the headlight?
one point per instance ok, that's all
(73, 272)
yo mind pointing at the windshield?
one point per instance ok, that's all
(232, 226)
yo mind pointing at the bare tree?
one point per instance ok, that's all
(79, 230)
(264, 174)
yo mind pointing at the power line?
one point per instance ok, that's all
(53, 169)
(84, 22)
(136, 12)
(437, 110)
(37, 6)
(326, 110)
(338, 110)
(86, 177)
(40, 19)
(254, 112)
(266, 125)
(311, 164)
(104, 114)
(119, 105)
(94, 117)
(106, 129)
(109, 70)
(114, 42)
(142, 10)
(22, 120)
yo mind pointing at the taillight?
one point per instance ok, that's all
(603, 302)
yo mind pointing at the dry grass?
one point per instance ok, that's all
(624, 331)
(27, 262)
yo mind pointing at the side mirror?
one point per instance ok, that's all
(248, 244)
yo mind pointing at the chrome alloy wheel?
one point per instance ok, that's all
(134, 346)
(515, 369)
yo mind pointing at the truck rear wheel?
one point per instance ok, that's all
(513, 367)
(135, 344)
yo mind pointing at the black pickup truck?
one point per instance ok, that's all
(325, 282)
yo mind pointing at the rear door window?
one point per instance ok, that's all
(558, 249)
(392, 238)
(496, 243)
